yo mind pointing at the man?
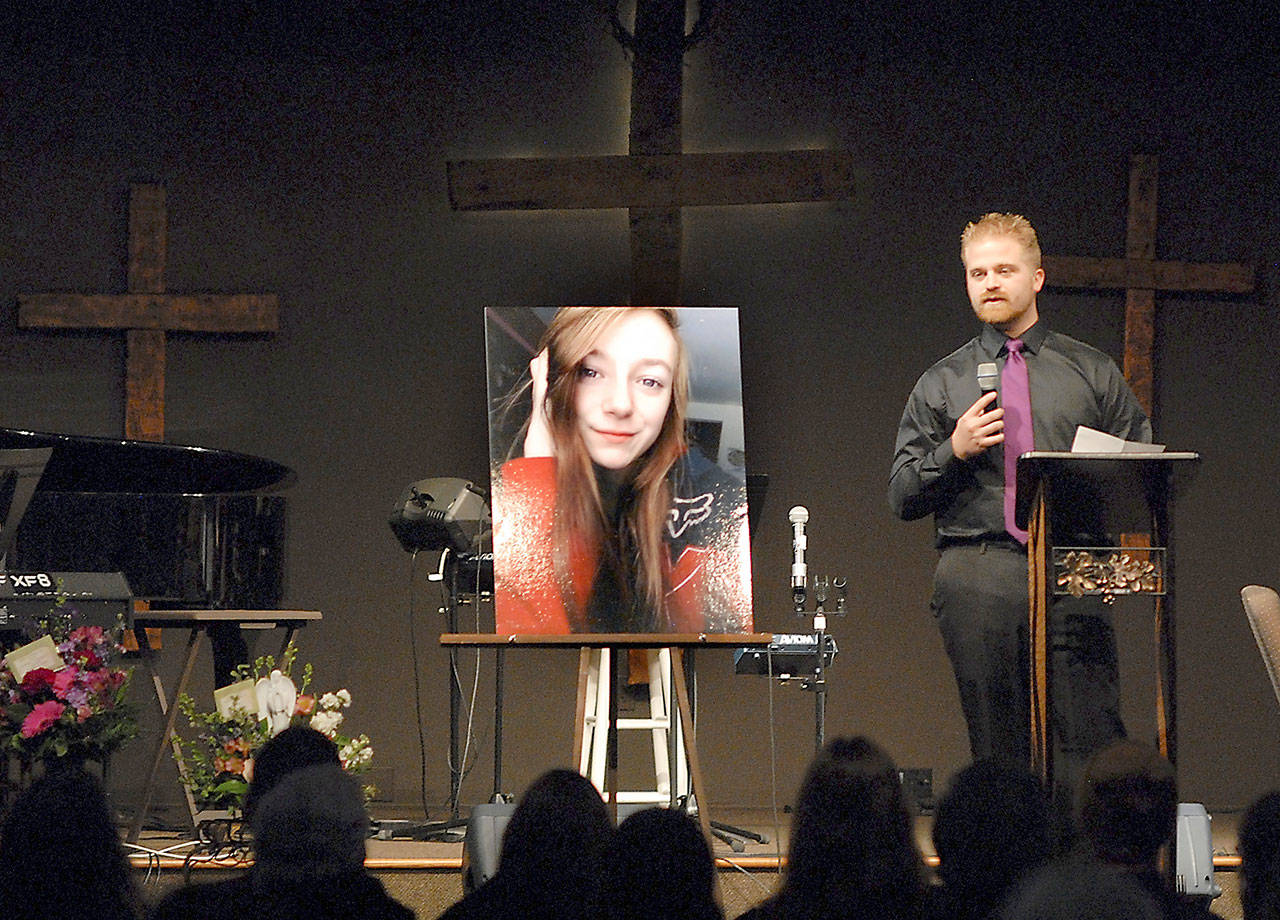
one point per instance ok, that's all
(950, 461)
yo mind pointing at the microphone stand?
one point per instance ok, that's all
(817, 682)
(452, 828)
(822, 584)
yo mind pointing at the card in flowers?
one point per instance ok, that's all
(43, 653)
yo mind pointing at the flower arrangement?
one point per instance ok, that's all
(72, 703)
(218, 760)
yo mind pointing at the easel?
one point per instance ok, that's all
(596, 675)
(678, 643)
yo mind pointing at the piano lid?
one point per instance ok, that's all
(107, 465)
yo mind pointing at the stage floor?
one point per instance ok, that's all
(426, 875)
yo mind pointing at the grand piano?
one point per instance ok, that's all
(198, 533)
(189, 527)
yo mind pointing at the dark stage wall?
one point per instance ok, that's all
(304, 154)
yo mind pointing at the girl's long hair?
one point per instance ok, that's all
(580, 516)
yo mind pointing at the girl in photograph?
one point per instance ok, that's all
(610, 522)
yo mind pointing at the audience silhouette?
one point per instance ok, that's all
(296, 747)
(1260, 859)
(551, 858)
(992, 827)
(659, 867)
(60, 854)
(309, 827)
(1128, 810)
(1072, 889)
(853, 850)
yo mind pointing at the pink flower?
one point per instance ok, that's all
(64, 680)
(41, 717)
(89, 635)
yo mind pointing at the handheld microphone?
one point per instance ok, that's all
(799, 543)
(988, 377)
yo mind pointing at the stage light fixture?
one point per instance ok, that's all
(440, 513)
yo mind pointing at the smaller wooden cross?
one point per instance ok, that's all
(146, 313)
(1140, 275)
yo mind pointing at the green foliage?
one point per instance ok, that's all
(218, 751)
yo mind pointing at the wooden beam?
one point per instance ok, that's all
(656, 129)
(1140, 275)
(1140, 232)
(144, 385)
(146, 313)
(656, 179)
(175, 312)
(1123, 274)
(1140, 346)
(671, 181)
(657, 243)
(148, 239)
(1140, 299)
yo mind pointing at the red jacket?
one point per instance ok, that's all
(709, 581)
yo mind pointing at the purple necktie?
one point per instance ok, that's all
(1015, 396)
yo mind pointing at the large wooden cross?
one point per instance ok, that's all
(1140, 275)
(656, 179)
(147, 312)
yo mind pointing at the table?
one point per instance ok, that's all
(198, 622)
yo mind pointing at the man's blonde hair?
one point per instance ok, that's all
(998, 224)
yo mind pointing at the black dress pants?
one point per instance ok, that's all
(980, 602)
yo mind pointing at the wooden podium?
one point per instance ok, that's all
(1099, 525)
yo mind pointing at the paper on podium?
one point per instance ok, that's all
(1093, 441)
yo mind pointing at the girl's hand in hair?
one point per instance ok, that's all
(537, 440)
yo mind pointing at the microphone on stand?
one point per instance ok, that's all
(988, 377)
(799, 571)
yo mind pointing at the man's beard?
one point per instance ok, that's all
(998, 312)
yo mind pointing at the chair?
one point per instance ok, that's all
(1262, 605)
